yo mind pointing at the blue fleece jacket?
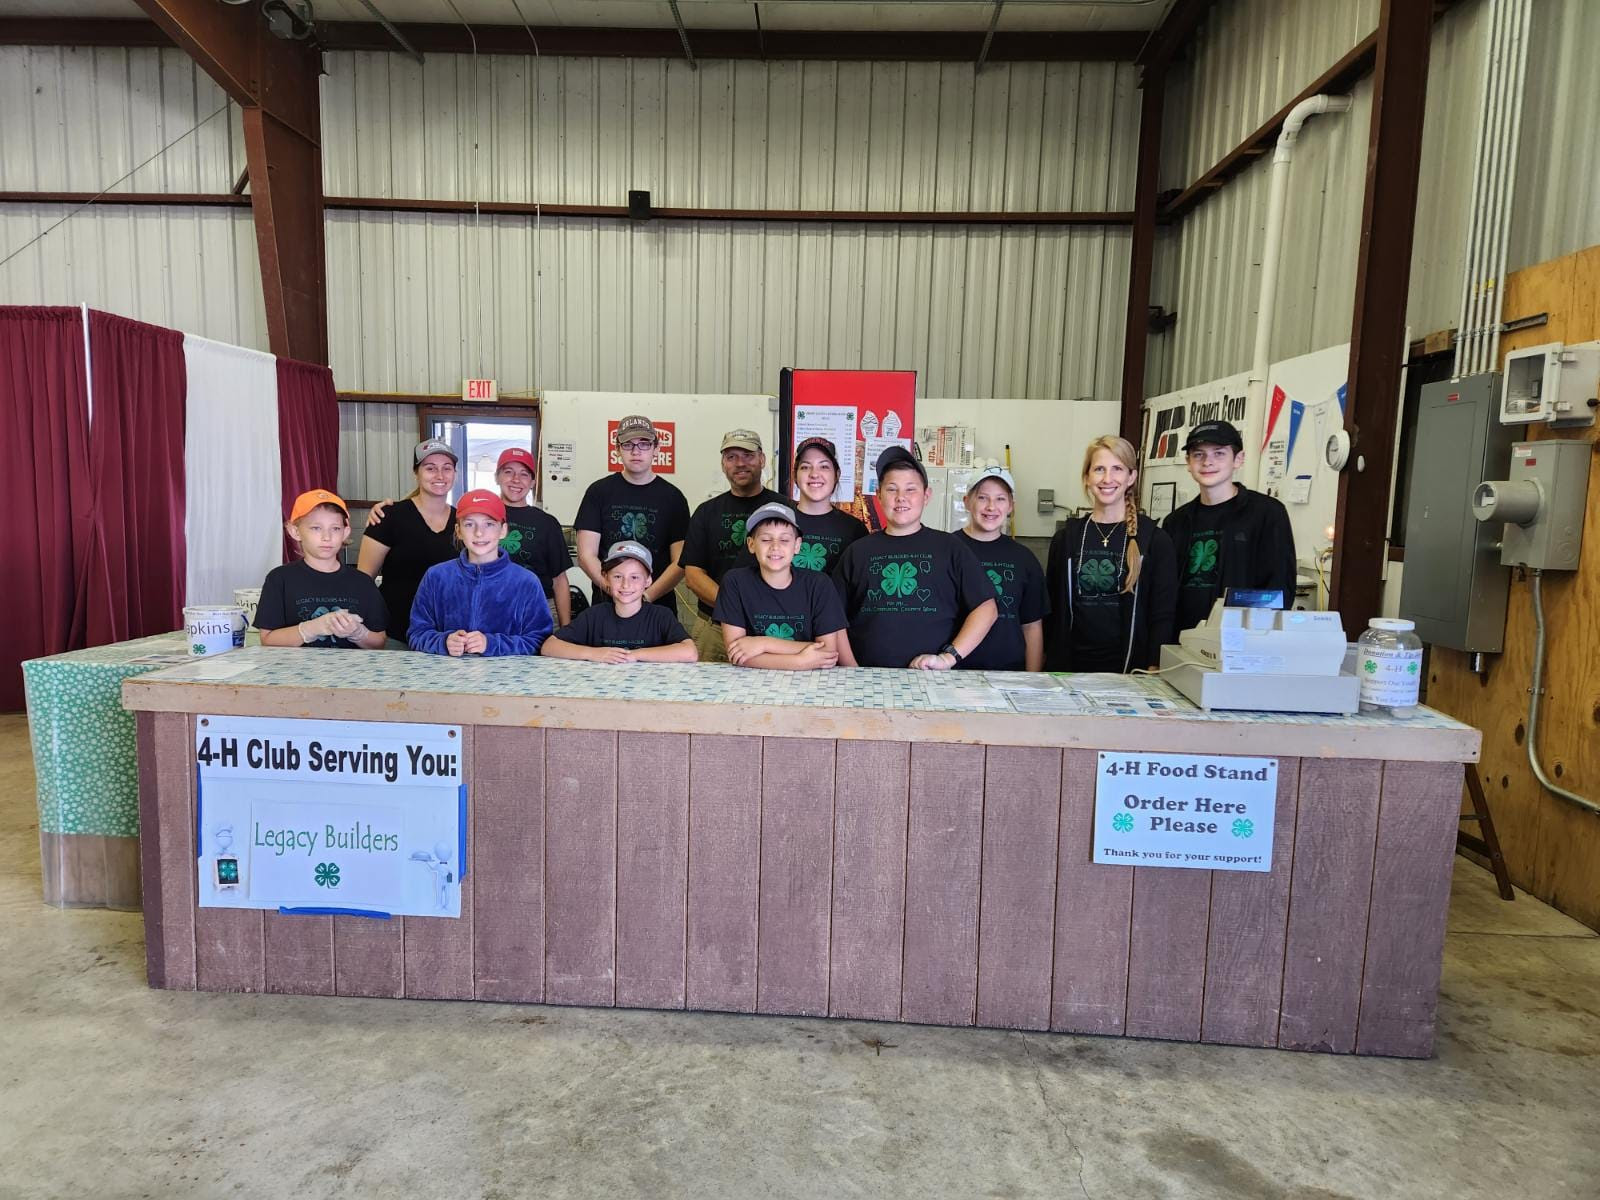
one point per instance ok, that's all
(500, 600)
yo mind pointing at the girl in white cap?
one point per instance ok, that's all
(1016, 640)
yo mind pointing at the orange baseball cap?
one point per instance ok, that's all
(306, 501)
(481, 501)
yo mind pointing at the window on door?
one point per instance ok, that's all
(478, 442)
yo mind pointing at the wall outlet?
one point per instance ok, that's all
(1047, 501)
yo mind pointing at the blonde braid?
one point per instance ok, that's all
(1131, 503)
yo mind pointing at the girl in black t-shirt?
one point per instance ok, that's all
(1112, 577)
(400, 544)
(826, 532)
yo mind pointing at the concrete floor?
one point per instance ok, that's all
(113, 1090)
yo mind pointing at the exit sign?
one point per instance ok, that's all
(481, 391)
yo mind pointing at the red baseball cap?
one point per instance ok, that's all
(516, 454)
(480, 501)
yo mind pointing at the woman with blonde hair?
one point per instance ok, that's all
(1112, 576)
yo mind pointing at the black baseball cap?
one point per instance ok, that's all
(1213, 433)
(899, 456)
(818, 443)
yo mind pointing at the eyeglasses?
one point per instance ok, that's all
(637, 447)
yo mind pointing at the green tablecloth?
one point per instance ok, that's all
(85, 757)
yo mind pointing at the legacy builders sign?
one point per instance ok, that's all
(330, 816)
(1185, 810)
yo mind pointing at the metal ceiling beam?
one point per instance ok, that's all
(275, 82)
(451, 38)
(1172, 36)
(683, 34)
(1136, 334)
(1378, 325)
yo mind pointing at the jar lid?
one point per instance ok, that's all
(1392, 624)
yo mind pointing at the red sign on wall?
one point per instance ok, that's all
(666, 433)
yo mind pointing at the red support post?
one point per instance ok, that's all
(1135, 345)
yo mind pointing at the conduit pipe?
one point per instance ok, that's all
(1521, 20)
(1582, 802)
(1256, 385)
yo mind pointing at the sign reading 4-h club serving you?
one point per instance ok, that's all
(330, 816)
(1185, 810)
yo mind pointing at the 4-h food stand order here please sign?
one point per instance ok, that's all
(363, 818)
(1185, 810)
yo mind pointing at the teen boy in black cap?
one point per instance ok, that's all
(915, 597)
(1227, 536)
(716, 541)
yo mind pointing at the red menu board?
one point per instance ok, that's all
(877, 407)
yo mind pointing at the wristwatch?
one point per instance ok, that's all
(950, 649)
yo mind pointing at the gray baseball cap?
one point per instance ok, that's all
(432, 446)
(1000, 473)
(633, 550)
(635, 427)
(772, 511)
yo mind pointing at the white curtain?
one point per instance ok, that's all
(234, 483)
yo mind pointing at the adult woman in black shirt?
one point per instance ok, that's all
(405, 539)
(1112, 576)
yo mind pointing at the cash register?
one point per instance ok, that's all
(1253, 654)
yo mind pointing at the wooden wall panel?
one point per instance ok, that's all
(1335, 839)
(1016, 926)
(438, 954)
(796, 889)
(166, 806)
(82, 863)
(123, 887)
(506, 794)
(869, 879)
(298, 954)
(369, 957)
(580, 841)
(1167, 952)
(1249, 921)
(652, 868)
(1094, 908)
(1551, 847)
(1410, 901)
(229, 950)
(939, 983)
(724, 851)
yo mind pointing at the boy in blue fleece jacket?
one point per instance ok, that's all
(481, 602)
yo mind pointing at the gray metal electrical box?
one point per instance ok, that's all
(1454, 585)
(1541, 504)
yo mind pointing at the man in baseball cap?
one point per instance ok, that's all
(1228, 536)
(716, 541)
(632, 503)
(318, 600)
(619, 627)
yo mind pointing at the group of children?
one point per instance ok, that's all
(781, 586)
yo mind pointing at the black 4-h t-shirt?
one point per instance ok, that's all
(598, 625)
(414, 546)
(298, 592)
(1200, 562)
(1018, 581)
(716, 535)
(535, 541)
(824, 538)
(802, 612)
(654, 514)
(907, 595)
(1098, 640)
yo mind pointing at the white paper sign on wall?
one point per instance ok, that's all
(364, 818)
(1206, 812)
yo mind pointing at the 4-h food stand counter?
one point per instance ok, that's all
(886, 845)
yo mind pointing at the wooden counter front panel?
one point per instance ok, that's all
(937, 883)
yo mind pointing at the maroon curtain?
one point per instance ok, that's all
(134, 581)
(44, 421)
(308, 433)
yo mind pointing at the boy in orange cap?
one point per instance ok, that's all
(319, 601)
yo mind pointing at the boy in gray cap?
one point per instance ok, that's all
(623, 628)
(774, 616)
(716, 539)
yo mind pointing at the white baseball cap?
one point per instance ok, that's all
(996, 472)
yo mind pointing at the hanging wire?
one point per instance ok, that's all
(106, 190)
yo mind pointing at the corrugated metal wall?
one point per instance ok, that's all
(75, 119)
(588, 304)
(1255, 55)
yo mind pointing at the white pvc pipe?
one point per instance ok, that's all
(1519, 72)
(1278, 188)
(1472, 256)
(1478, 252)
(1495, 175)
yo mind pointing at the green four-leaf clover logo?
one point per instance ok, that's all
(512, 542)
(780, 630)
(1097, 576)
(633, 525)
(1369, 666)
(1203, 556)
(1122, 822)
(998, 580)
(1243, 827)
(811, 556)
(899, 579)
(327, 875)
(199, 647)
(1412, 669)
